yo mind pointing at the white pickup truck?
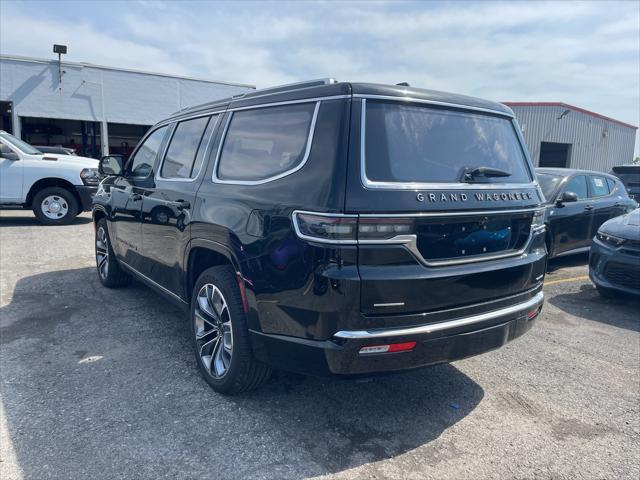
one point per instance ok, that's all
(56, 187)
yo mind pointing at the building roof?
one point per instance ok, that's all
(17, 58)
(570, 107)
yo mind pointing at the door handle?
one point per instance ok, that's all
(589, 207)
(181, 204)
(135, 197)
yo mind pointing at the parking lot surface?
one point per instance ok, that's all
(99, 383)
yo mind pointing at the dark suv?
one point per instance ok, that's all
(329, 227)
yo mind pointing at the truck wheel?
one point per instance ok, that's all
(110, 272)
(220, 335)
(55, 206)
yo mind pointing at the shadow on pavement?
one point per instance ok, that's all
(32, 221)
(102, 383)
(576, 260)
(622, 311)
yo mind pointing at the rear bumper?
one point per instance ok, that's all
(445, 341)
(86, 194)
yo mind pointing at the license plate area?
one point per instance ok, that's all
(455, 238)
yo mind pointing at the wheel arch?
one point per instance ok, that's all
(51, 182)
(202, 254)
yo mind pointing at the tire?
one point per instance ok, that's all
(55, 206)
(110, 273)
(220, 335)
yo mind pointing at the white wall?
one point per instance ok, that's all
(101, 94)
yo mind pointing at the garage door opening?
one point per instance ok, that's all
(6, 120)
(124, 137)
(555, 154)
(81, 136)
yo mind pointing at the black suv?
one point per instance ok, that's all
(327, 227)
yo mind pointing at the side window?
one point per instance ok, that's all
(599, 187)
(141, 164)
(265, 142)
(612, 185)
(179, 160)
(578, 185)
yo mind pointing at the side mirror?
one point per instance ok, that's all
(111, 165)
(9, 156)
(567, 197)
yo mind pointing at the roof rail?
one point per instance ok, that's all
(258, 93)
(291, 86)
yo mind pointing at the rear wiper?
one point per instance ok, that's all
(471, 173)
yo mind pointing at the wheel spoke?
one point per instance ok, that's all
(213, 330)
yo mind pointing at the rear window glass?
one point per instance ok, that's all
(599, 186)
(265, 142)
(405, 143)
(181, 153)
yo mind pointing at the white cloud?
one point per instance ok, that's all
(586, 53)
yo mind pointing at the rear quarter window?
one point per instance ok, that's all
(407, 143)
(599, 186)
(266, 142)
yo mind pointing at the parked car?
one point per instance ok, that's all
(330, 228)
(614, 261)
(56, 187)
(630, 177)
(58, 150)
(578, 202)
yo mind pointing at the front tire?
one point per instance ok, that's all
(110, 272)
(55, 206)
(220, 335)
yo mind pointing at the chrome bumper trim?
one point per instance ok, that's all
(438, 327)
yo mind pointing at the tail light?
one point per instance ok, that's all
(349, 229)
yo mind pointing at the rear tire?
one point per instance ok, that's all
(55, 206)
(110, 273)
(220, 334)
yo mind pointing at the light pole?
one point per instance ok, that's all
(60, 50)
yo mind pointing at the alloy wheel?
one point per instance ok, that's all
(213, 330)
(102, 252)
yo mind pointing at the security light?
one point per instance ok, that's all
(60, 49)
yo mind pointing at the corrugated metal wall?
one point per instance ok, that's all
(597, 144)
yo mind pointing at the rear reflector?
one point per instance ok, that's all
(390, 348)
(533, 313)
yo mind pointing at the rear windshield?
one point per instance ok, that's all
(405, 143)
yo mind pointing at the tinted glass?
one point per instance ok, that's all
(406, 143)
(141, 165)
(549, 184)
(181, 153)
(24, 147)
(578, 185)
(612, 184)
(599, 187)
(265, 142)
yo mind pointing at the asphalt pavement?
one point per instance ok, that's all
(99, 383)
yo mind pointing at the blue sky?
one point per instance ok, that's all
(587, 54)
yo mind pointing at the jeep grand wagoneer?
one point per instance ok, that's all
(331, 227)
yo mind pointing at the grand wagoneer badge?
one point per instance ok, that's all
(479, 196)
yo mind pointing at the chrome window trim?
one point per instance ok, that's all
(372, 184)
(190, 117)
(536, 300)
(201, 152)
(302, 163)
